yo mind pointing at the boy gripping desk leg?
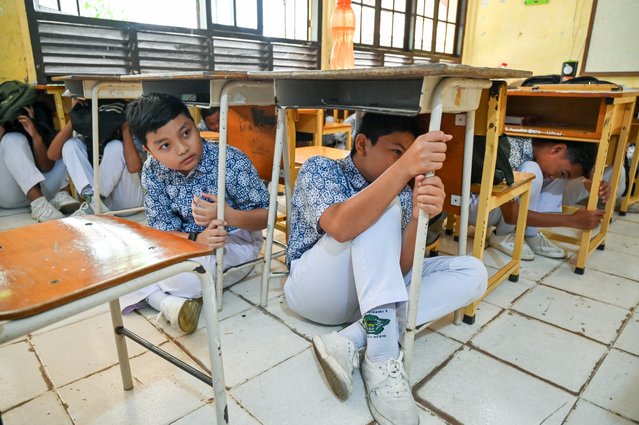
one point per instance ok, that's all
(180, 183)
(350, 253)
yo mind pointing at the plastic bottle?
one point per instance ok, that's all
(342, 28)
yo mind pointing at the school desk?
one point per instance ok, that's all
(590, 114)
(96, 87)
(405, 90)
(53, 270)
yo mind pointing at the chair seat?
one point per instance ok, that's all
(50, 264)
(503, 193)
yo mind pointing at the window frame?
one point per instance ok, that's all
(408, 45)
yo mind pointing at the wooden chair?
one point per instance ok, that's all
(312, 121)
(490, 121)
(60, 268)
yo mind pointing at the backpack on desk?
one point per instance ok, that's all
(503, 170)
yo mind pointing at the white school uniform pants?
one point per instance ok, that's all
(19, 173)
(334, 283)
(241, 246)
(120, 188)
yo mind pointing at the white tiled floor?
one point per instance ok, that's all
(553, 348)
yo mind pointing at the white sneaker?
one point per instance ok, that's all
(337, 356)
(542, 246)
(65, 202)
(181, 313)
(88, 208)
(42, 210)
(388, 391)
(506, 244)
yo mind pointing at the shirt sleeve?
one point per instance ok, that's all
(244, 186)
(159, 214)
(320, 184)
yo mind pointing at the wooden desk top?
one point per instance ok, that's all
(197, 75)
(304, 153)
(568, 90)
(46, 265)
(395, 72)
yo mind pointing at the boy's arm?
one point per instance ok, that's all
(581, 219)
(246, 219)
(428, 195)
(345, 220)
(43, 163)
(131, 155)
(54, 152)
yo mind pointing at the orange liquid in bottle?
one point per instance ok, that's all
(342, 29)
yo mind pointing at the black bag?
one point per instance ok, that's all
(110, 118)
(503, 170)
(15, 95)
(541, 79)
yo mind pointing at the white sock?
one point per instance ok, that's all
(156, 298)
(381, 333)
(355, 333)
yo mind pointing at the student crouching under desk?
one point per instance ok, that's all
(180, 183)
(553, 162)
(120, 164)
(350, 253)
(27, 176)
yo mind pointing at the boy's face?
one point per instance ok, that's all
(372, 160)
(555, 163)
(213, 121)
(176, 144)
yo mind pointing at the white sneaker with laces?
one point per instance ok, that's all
(88, 208)
(181, 313)
(542, 246)
(42, 210)
(506, 244)
(338, 357)
(65, 202)
(388, 391)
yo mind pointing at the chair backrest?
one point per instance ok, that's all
(252, 130)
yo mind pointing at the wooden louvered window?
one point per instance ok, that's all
(110, 37)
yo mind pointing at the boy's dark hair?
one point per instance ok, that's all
(581, 153)
(375, 125)
(152, 111)
(207, 112)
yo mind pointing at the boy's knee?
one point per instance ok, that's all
(72, 144)
(476, 273)
(114, 147)
(533, 167)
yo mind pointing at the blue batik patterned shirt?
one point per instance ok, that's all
(321, 183)
(520, 151)
(168, 193)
